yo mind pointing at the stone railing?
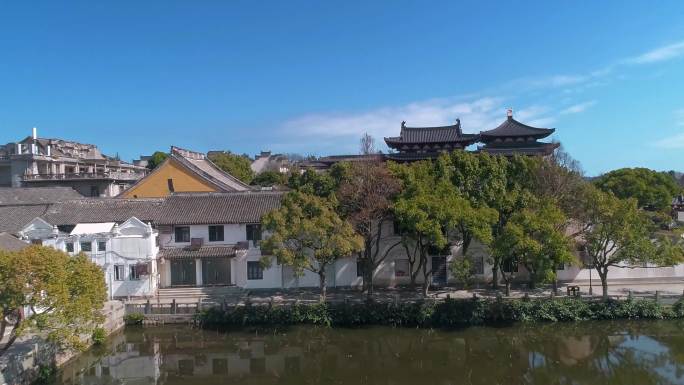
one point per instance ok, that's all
(115, 175)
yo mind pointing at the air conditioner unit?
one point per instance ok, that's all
(196, 243)
(242, 245)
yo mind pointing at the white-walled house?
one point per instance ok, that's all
(127, 252)
(212, 239)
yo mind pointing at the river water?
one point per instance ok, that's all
(639, 353)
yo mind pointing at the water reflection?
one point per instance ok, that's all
(588, 353)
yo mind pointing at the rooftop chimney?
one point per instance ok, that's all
(509, 113)
(35, 133)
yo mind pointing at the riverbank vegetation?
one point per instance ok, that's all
(538, 213)
(452, 313)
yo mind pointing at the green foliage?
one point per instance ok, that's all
(535, 237)
(653, 190)
(66, 295)
(620, 233)
(157, 158)
(463, 270)
(449, 314)
(305, 233)
(99, 336)
(134, 318)
(321, 184)
(238, 166)
(269, 178)
(46, 375)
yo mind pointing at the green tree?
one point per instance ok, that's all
(619, 235)
(306, 233)
(653, 190)
(156, 159)
(365, 200)
(269, 178)
(63, 295)
(424, 212)
(535, 237)
(322, 184)
(238, 166)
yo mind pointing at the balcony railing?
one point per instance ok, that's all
(113, 175)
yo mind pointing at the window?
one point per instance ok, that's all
(359, 268)
(119, 272)
(70, 247)
(478, 264)
(396, 227)
(134, 273)
(182, 233)
(101, 245)
(401, 268)
(254, 232)
(87, 246)
(216, 233)
(254, 270)
(169, 182)
(561, 266)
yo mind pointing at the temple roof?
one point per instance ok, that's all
(525, 148)
(441, 134)
(513, 128)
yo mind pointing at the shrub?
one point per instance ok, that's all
(448, 314)
(99, 336)
(134, 318)
(45, 375)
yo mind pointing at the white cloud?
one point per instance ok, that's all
(475, 115)
(675, 141)
(659, 54)
(340, 132)
(579, 107)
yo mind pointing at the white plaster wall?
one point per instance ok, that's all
(232, 234)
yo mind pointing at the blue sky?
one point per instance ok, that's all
(310, 77)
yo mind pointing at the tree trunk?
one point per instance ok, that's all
(495, 277)
(324, 288)
(532, 282)
(554, 283)
(370, 269)
(604, 282)
(508, 288)
(13, 335)
(426, 273)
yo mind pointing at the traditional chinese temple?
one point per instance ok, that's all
(414, 143)
(512, 137)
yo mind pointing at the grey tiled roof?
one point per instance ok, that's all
(201, 252)
(238, 207)
(11, 243)
(205, 168)
(512, 127)
(441, 134)
(14, 218)
(187, 209)
(96, 210)
(36, 195)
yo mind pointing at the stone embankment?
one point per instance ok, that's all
(25, 359)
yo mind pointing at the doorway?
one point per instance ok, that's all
(183, 272)
(439, 271)
(216, 271)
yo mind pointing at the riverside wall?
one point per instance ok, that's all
(22, 363)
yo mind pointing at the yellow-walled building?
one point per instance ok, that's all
(184, 171)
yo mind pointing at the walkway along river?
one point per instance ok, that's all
(605, 352)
